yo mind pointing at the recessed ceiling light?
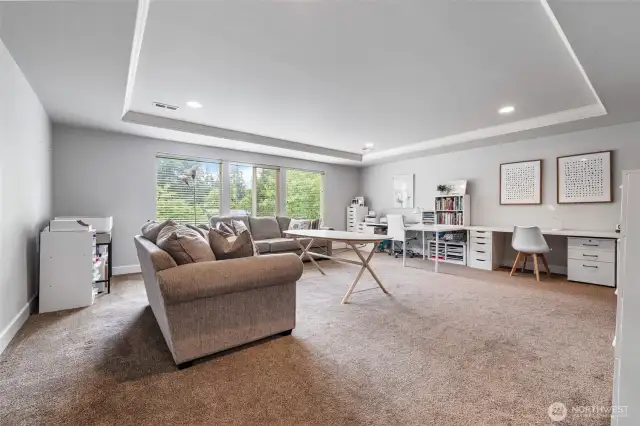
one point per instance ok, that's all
(194, 104)
(507, 109)
(368, 145)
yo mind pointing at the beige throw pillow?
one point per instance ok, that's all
(184, 245)
(239, 227)
(227, 246)
(151, 229)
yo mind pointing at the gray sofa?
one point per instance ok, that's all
(267, 233)
(207, 307)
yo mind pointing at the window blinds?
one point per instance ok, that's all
(304, 194)
(266, 190)
(187, 190)
(241, 189)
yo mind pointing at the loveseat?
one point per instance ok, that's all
(207, 307)
(268, 234)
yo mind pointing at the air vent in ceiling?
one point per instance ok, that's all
(165, 106)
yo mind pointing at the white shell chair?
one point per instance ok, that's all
(529, 241)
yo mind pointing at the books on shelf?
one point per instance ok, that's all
(449, 203)
(450, 218)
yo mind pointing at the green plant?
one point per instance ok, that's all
(443, 188)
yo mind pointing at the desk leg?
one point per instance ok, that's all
(404, 250)
(305, 250)
(423, 255)
(435, 260)
(365, 265)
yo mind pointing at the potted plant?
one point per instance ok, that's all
(443, 189)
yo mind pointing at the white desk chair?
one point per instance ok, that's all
(529, 241)
(395, 227)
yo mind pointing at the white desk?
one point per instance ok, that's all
(563, 232)
(578, 233)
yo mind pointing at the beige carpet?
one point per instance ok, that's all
(464, 347)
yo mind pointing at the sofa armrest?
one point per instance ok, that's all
(208, 279)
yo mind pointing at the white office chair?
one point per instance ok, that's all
(395, 228)
(529, 241)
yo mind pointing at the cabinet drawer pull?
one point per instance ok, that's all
(479, 251)
(481, 243)
(590, 255)
(589, 266)
(480, 260)
(591, 245)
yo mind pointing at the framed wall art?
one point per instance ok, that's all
(585, 178)
(521, 183)
(403, 191)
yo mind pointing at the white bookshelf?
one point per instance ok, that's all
(452, 210)
(448, 251)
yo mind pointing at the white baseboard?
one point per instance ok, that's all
(126, 269)
(16, 323)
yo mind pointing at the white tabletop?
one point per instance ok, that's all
(434, 228)
(322, 234)
(562, 232)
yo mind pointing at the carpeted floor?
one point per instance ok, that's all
(464, 347)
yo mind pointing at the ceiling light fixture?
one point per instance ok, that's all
(367, 147)
(194, 104)
(507, 109)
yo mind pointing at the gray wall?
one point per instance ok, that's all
(104, 173)
(481, 168)
(25, 193)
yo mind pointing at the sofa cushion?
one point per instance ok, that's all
(184, 245)
(263, 246)
(283, 222)
(264, 228)
(152, 228)
(283, 244)
(228, 220)
(226, 246)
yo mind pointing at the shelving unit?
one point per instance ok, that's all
(452, 209)
(448, 251)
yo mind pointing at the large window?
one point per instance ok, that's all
(190, 190)
(187, 190)
(304, 194)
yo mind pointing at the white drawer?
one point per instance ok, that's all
(480, 254)
(480, 244)
(486, 235)
(591, 272)
(593, 255)
(592, 243)
(478, 263)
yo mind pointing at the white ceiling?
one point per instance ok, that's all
(318, 80)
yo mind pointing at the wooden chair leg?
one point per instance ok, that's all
(515, 264)
(546, 265)
(524, 263)
(535, 263)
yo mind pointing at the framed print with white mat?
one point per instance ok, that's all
(521, 183)
(585, 178)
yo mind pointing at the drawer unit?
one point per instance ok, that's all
(592, 260)
(485, 251)
(355, 216)
(587, 271)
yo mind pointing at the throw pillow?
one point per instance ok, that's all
(264, 228)
(152, 228)
(200, 229)
(227, 246)
(315, 224)
(224, 228)
(184, 245)
(299, 224)
(239, 226)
